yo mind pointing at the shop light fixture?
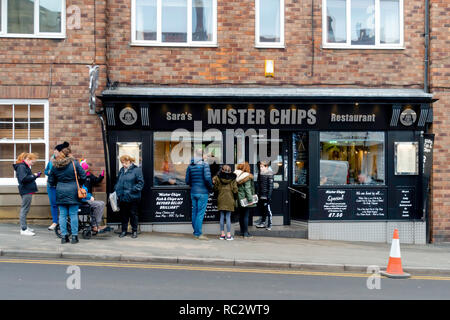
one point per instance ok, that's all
(269, 68)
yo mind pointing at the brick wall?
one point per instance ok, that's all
(440, 86)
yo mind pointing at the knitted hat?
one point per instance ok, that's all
(84, 164)
(61, 146)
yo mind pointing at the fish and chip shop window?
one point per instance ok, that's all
(133, 149)
(172, 154)
(352, 158)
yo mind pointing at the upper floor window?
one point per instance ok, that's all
(269, 23)
(23, 128)
(32, 18)
(174, 22)
(363, 24)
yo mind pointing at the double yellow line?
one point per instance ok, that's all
(201, 268)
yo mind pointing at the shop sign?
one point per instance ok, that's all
(128, 116)
(370, 204)
(408, 117)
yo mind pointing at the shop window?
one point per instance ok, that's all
(32, 18)
(363, 24)
(269, 23)
(132, 149)
(300, 156)
(173, 153)
(174, 22)
(352, 158)
(23, 128)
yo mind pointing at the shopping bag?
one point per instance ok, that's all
(113, 202)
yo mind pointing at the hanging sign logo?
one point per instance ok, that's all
(408, 117)
(128, 116)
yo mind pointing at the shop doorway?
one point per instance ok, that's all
(299, 184)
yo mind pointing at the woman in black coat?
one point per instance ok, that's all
(130, 183)
(62, 177)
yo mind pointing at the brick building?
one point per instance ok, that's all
(368, 52)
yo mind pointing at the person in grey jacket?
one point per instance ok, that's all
(62, 176)
(130, 183)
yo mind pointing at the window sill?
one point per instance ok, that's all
(33, 36)
(262, 46)
(363, 47)
(183, 45)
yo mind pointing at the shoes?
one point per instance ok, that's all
(26, 232)
(134, 235)
(32, 230)
(222, 237)
(74, 239)
(52, 227)
(248, 235)
(202, 237)
(269, 228)
(230, 238)
(65, 239)
(123, 234)
(261, 225)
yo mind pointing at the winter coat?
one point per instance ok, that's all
(226, 187)
(26, 178)
(246, 187)
(49, 167)
(265, 185)
(92, 180)
(129, 184)
(62, 176)
(198, 176)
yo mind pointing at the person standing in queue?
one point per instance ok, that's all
(130, 183)
(64, 174)
(51, 191)
(246, 190)
(265, 188)
(27, 187)
(198, 177)
(226, 187)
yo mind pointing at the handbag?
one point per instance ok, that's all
(82, 193)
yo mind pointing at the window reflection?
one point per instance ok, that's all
(202, 20)
(336, 21)
(269, 21)
(146, 20)
(389, 21)
(363, 22)
(300, 155)
(174, 21)
(352, 158)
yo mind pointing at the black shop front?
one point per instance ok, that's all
(337, 155)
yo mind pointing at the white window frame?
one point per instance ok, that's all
(39, 181)
(348, 44)
(37, 34)
(158, 41)
(259, 44)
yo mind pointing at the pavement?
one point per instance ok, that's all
(258, 252)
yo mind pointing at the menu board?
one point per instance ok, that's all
(405, 202)
(212, 213)
(171, 205)
(370, 204)
(334, 204)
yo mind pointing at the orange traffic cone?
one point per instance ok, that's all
(394, 268)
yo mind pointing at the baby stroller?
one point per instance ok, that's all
(85, 223)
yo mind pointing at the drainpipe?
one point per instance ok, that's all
(106, 152)
(427, 46)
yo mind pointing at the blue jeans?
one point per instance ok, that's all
(71, 211)
(222, 224)
(199, 203)
(53, 207)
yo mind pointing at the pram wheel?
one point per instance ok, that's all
(87, 234)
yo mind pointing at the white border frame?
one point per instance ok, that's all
(259, 44)
(348, 44)
(39, 35)
(159, 43)
(39, 181)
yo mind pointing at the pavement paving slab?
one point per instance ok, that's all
(267, 252)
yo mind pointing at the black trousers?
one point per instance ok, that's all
(129, 212)
(266, 211)
(243, 219)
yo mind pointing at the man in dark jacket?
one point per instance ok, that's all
(265, 188)
(198, 176)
